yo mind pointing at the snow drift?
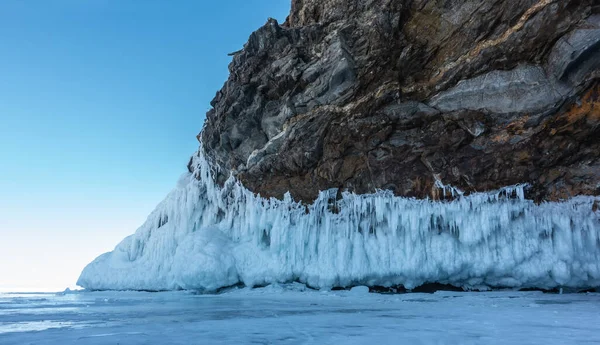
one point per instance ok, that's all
(205, 237)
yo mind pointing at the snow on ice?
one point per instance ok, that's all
(205, 237)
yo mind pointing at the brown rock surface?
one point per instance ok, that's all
(396, 94)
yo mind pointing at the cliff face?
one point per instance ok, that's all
(404, 95)
(408, 96)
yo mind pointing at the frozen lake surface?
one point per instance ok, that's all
(276, 315)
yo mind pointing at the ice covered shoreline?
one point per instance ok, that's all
(203, 237)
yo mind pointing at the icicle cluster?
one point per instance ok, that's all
(205, 237)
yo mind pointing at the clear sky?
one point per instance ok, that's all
(100, 103)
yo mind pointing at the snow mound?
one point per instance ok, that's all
(204, 237)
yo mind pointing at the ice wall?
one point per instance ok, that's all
(205, 237)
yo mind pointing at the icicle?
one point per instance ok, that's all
(216, 237)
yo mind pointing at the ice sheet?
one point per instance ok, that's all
(283, 315)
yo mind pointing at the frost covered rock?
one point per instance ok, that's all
(381, 135)
(217, 237)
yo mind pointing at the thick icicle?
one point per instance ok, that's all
(205, 237)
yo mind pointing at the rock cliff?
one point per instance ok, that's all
(408, 95)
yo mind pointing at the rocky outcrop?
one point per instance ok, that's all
(407, 95)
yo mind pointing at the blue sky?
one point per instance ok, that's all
(100, 103)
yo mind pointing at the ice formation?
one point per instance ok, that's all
(206, 237)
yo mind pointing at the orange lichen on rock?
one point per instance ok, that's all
(588, 107)
(516, 127)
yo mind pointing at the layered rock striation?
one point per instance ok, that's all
(407, 96)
